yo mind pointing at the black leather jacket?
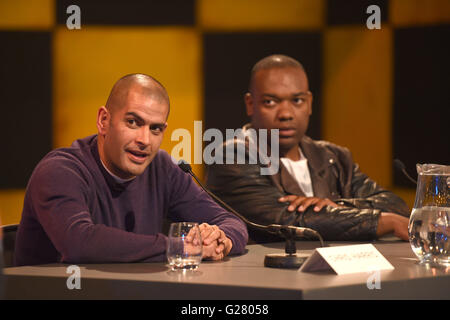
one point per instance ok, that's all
(334, 175)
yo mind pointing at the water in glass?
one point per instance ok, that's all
(184, 246)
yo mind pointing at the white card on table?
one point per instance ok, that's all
(347, 259)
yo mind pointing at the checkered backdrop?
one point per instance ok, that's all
(382, 93)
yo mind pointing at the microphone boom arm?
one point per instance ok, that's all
(285, 231)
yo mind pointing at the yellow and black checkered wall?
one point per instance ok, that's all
(382, 93)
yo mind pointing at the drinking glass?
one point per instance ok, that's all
(184, 246)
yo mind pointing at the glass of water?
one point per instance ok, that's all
(184, 246)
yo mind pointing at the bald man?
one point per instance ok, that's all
(317, 185)
(104, 199)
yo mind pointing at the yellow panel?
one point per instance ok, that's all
(27, 14)
(357, 96)
(418, 12)
(11, 205)
(89, 61)
(260, 14)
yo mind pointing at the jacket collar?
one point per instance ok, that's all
(319, 160)
(317, 165)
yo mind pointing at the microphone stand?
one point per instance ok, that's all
(289, 260)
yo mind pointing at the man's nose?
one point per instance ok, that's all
(285, 111)
(143, 137)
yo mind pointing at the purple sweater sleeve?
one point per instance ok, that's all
(59, 196)
(188, 202)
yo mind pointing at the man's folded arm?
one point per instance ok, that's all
(255, 196)
(249, 193)
(63, 212)
(188, 202)
(367, 194)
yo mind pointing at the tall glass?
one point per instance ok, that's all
(429, 224)
(184, 246)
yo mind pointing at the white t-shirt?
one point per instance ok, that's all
(299, 170)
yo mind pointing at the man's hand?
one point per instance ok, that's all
(216, 245)
(302, 203)
(393, 223)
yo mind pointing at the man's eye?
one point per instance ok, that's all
(269, 102)
(298, 100)
(132, 122)
(156, 129)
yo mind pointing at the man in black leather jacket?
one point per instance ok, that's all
(317, 185)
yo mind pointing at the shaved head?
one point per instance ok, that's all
(131, 125)
(136, 83)
(271, 62)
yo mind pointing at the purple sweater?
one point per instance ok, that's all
(75, 212)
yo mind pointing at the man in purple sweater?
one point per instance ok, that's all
(105, 198)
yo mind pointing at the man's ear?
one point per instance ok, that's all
(103, 117)
(248, 99)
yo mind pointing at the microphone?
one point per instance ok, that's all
(400, 166)
(272, 228)
(288, 232)
(186, 167)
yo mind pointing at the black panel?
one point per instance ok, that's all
(130, 12)
(421, 97)
(228, 60)
(26, 104)
(353, 11)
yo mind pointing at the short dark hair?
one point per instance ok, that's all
(273, 61)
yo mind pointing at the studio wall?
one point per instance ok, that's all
(382, 93)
